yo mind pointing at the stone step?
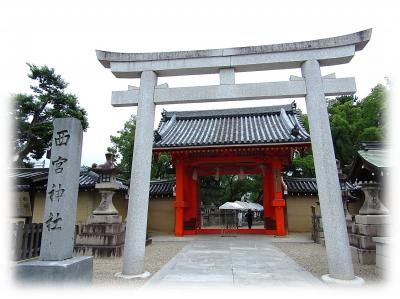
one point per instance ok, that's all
(101, 229)
(373, 230)
(363, 256)
(364, 242)
(372, 219)
(99, 251)
(383, 254)
(104, 219)
(102, 250)
(100, 240)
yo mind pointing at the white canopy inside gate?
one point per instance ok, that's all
(230, 206)
(241, 205)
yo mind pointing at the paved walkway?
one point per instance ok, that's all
(242, 260)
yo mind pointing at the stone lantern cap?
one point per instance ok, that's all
(107, 172)
(108, 166)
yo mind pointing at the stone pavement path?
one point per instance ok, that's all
(241, 260)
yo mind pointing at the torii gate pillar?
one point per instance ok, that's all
(136, 221)
(337, 244)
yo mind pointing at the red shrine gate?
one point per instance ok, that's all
(255, 140)
(264, 161)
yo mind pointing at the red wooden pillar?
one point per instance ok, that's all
(179, 198)
(191, 201)
(187, 185)
(269, 212)
(278, 203)
(195, 202)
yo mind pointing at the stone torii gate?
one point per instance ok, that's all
(307, 55)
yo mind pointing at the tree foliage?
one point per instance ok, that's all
(304, 166)
(230, 188)
(160, 165)
(35, 112)
(352, 121)
(122, 146)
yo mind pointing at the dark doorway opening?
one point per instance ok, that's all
(230, 192)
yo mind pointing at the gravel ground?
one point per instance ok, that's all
(312, 257)
(157, 255)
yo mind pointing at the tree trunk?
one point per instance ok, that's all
(23, 153)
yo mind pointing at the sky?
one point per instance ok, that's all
(64, 35)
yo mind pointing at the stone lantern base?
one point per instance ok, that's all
(101, 236)
(373, 221)
(366, 227)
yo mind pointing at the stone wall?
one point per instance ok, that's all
(161, 215)
(87, 202)
(120, 203)
(38, 207)
(299, 212)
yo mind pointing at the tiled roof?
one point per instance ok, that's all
(371, 162)
(258, 125)
(301, 185)
(29, 175)
(306, 185)
(162, 188)
(88, 179)
(38, 176)
(372, 145)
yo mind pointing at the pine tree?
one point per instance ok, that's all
(34, 113)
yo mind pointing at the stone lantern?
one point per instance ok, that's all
(107, 186)
(371, 222)
(103, 234)
(372, 204)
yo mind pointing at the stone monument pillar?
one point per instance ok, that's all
(56, 263)
(103, 234)
(372, 221)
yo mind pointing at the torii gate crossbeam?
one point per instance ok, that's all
(307, 55)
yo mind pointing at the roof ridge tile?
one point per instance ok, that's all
(216, 113)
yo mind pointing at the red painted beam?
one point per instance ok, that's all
(242, 148)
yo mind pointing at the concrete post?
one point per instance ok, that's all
(336, 238)
(140, 178)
